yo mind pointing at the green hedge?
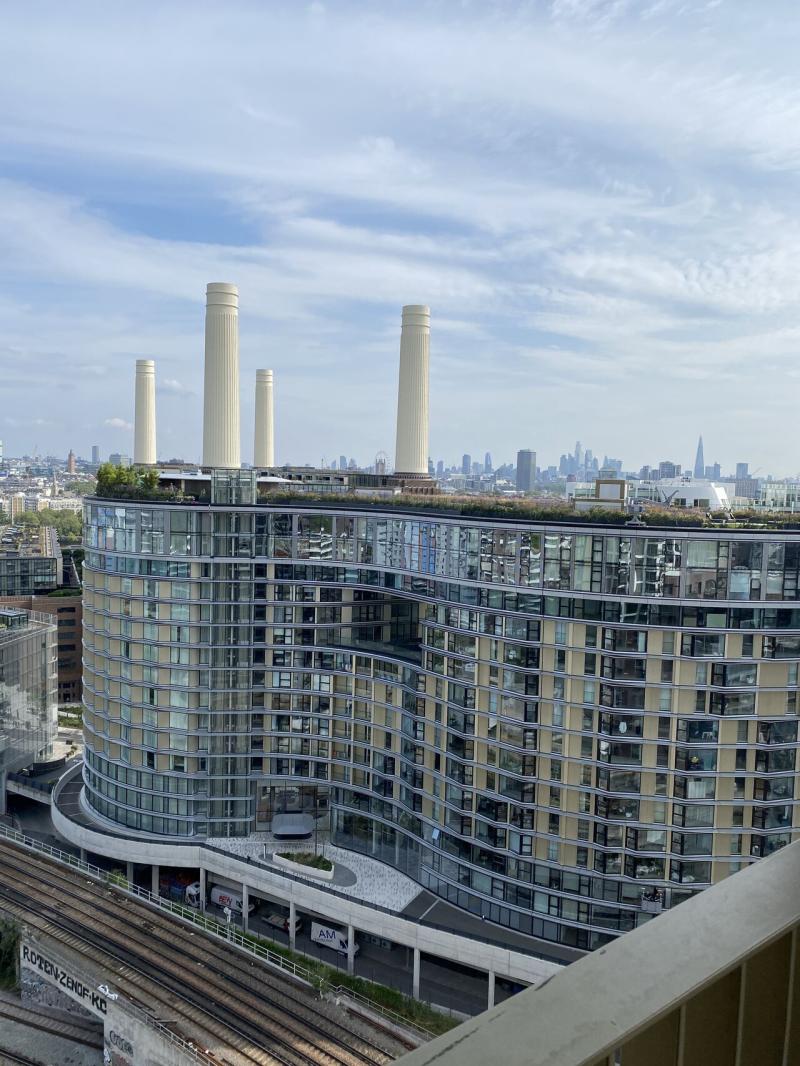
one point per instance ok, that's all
(308, 858)
(328, 977)
(515, 509)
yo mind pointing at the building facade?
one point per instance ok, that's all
(699, 461)
(30, 560)
(526, 470)
(28, 711)
(561, 728)
(66, 612)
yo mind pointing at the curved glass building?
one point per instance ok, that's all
(562, 728)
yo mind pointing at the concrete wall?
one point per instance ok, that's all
(503, 962)
(64, 609)
(129, 1040)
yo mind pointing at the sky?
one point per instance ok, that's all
(597, 198)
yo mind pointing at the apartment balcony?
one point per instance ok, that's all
(714, 982)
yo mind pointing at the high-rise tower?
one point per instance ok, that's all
(699, 461)
(411, 451)
(144, 418)
(221, 427)
(526, 470)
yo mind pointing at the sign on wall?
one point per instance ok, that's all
(32, 958)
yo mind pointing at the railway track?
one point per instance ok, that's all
(14, 1058)
(269, 1018)
(287, 1002)
(36, 1019)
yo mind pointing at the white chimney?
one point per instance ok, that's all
(221, 430)
(411, 452)
(144, 418)
(264, 451)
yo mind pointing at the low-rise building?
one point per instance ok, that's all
(688, 493)
(30, 560)
(608, 493)
(28, 711)
(67, 613)
(779, 496)
(64, 503)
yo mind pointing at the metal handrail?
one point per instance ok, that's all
(209, 925)
(202, 844)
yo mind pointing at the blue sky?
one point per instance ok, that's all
(598, 199)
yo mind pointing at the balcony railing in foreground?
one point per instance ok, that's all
(715, 982)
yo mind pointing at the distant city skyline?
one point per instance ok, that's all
(601, 221)
(467, 465)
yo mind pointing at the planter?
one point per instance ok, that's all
(303, 870)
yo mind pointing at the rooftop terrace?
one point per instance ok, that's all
(28, 542)
(174, 490)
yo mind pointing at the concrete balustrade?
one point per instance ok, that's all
(308, 898)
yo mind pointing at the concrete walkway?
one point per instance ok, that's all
(354, 874)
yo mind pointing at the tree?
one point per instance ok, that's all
(127, 482)
(67, 524)
(28, 518)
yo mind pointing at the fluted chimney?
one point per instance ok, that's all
(264, 450)
(221, 428)
(411, 452)
(144, 418)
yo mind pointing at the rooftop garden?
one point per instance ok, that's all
(516, 509)
(132, 483)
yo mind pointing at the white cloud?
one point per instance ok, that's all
(597, 197)
(174, 387)
(118, 423)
